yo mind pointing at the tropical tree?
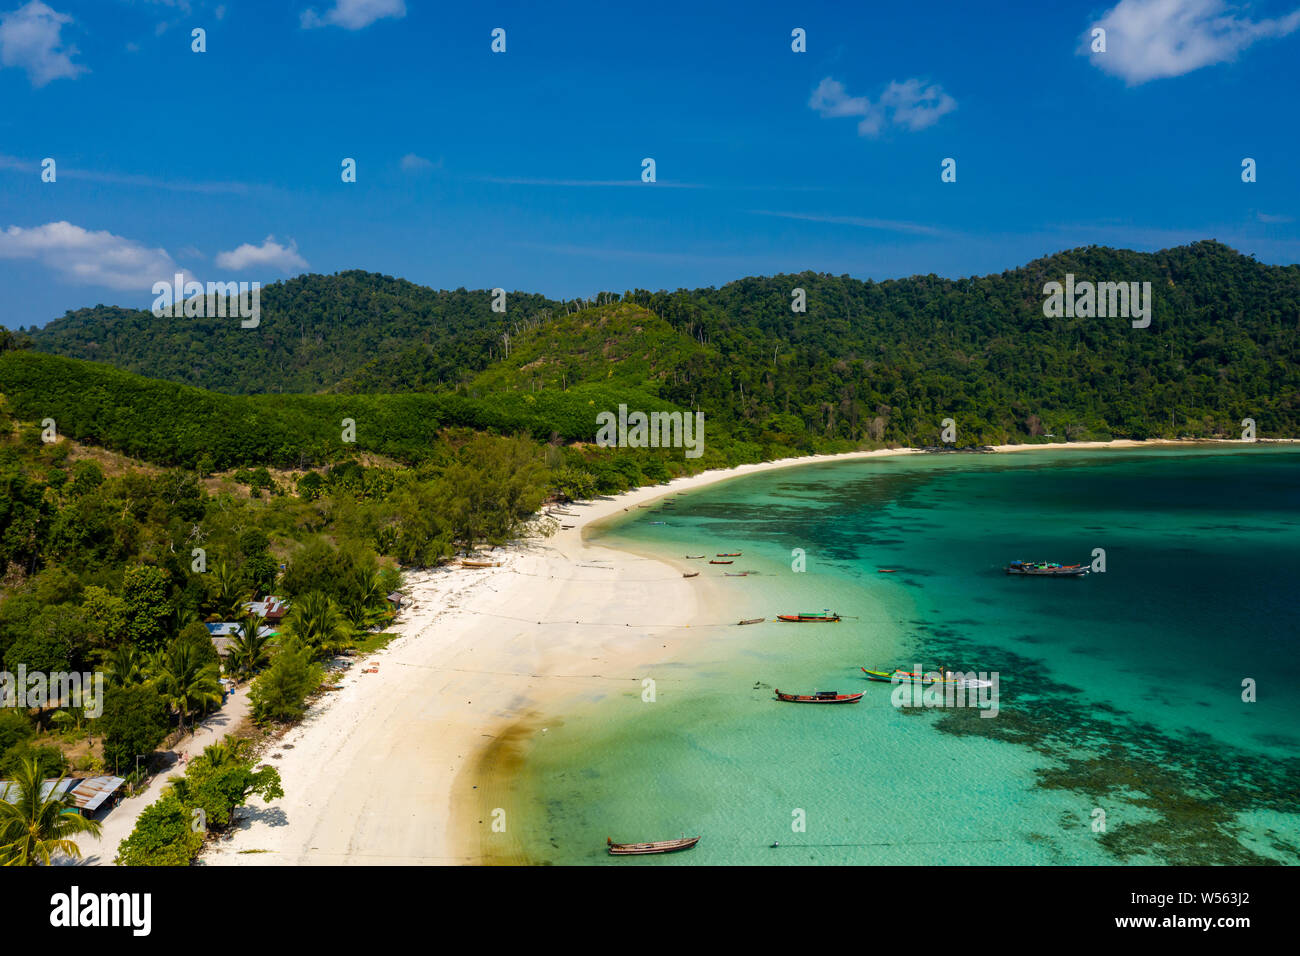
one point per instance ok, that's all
(185, 680)
(280, 691)
(125, 666)
(249, 649)
(317, 623)
(228, 590)
(40, 823)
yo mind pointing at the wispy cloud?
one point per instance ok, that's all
(884, 225)
(89, 258)
(1155, 39)
(270, 254)
(30, 39)
(1272, 219)
(353, 14)
(911, 105)
(15, 164)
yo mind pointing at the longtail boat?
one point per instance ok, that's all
(728, 554)
(912, 677)
(821, 697)
(1048, 569)
(754, 620)
(643, 849)
(480, 564)
(722, 562)
(690, 574)
(810, 617)
(658, 522)
(737, 574)
(695, 557)
(886, 570)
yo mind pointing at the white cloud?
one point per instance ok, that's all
(411, 162)
(910, 104)
(1155, 39)
(29, 39)
(353, 14)
(89, 258)
(269, 254)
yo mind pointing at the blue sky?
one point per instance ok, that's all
(522, 169)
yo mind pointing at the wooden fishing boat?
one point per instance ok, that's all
(722, 562)
(754, 620)
(737, 574)
(644, 849)
(566, 527)
(695, 557)
(728, 554)
(912, 677)
(480, 564)
(821, 697)
(886, 570)
(1047, 569)
(810, 617)
(690, 574)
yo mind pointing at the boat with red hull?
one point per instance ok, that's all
(810, 617)
(821, 697)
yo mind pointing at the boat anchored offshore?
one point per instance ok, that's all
(644, 849)
(1047, 569)
(810, 617)
(821, 697)
(900, 676)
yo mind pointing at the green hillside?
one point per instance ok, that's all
(867, 363)
(315, 331)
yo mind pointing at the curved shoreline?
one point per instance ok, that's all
(407, 765)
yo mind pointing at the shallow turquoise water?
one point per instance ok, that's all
(1119, 693)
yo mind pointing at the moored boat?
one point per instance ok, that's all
(1047, 569)
(901, 676)
(728, 554)
(690, 574)
(753, 620)
(722, 562)
(810, 617)
(695, 557)
(644, 849)
(821, 697)
(480, 564)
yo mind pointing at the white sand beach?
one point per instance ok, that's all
(383, 770)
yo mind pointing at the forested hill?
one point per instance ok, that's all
(866, 362)
(315, 331)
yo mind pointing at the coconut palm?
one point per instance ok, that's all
(125, 666)
(317, 622)
(38, 825)
(371, 605)
(228, 590)
(250, 649)
(185, 681)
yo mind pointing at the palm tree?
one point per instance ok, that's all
(230, 749)
(185, 681)
(228, 591)
(318, 623)
(125, 666)
(249, 649)
(371, 606)
(38, 824)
